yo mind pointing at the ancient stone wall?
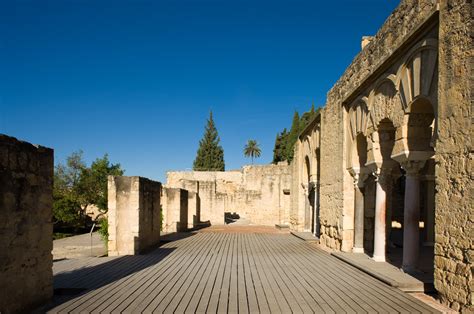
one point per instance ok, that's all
(134, 214)
(336, 191)
(26, 231)
(175, 209)
(454, 231)
(256, 193)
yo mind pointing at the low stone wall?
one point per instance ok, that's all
(26, 231)
(175, 209)
(254, 193)
(134, 214)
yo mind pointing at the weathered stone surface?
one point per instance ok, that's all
(134, 214)
(175, 204)
(454, 230)
(26, 231)
(255, 193)
(408, 93)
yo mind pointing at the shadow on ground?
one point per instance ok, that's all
(72, 284)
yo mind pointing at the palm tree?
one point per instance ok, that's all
(252, 150)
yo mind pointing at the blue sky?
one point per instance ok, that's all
(136, 79)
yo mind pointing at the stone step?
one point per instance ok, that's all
(306, 236)
(385, 272)
(282, 226)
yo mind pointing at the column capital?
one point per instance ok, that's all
(412, 167)
(382, 175)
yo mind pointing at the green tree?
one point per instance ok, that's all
(66, 200)
(293, 136)
(210, 155)
(279, 152)
(252, 149)
(77, 186)
(92, 186)
(285, 141)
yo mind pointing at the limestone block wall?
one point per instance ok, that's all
(175, 209)
(336, 187)
(454, 215)
(134, 214)
(26, 231)
(255, 193)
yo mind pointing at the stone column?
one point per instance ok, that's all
(307, 208)
(382, 179)
(411, 215)
(358, 215)
(315, 197)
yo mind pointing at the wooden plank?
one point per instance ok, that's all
(159, 290)
(181, 300)
(228, 272)
(246, 272)
(271, 298)
(120, 291)
(200, 299)
(213, 302)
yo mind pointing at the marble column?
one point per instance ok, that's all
(315, 198)
(382, 179)
(358, 214)
(411, 215)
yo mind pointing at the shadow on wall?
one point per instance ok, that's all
(72, 284)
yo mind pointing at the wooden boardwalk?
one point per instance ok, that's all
(225, 272)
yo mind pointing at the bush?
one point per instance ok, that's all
(104, 230)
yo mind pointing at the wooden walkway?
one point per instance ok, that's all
(225, 272)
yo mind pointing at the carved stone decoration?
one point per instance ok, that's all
(358, 117)
(417, 75)
(383, 101)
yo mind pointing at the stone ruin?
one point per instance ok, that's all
(389, 158)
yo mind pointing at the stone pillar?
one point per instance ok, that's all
(358, 215)
(411, 215)
(315, 197)
(382, 179)
(307, 208)
(134, 215)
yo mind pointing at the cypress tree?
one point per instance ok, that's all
(210, 155)
(293, 136)
(279, 151)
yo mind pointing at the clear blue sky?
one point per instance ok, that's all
(136, 79)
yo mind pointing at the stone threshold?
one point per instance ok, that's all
(385, 272)
(306, 236)
(282, 227)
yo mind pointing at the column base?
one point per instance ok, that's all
(378, 258)
(358, 250)
(409, 269)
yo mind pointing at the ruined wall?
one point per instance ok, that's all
(255, 193)
(26, 231)
(175, 209)
(134, 214)
(336, 190)
(454, 232)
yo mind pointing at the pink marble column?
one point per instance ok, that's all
(358, 214)
(411, 215)
(382, 179)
